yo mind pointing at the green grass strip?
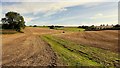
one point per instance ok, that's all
(71, 58)
(104, 57)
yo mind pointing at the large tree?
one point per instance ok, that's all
(13, 20)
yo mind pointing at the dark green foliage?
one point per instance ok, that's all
(59, 26)
(84, 27)
(51, 27)
(94, 28)
(87, 28)
(117, 25)
(13, 20)
(35, 26)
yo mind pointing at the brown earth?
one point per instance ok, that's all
(27, 49)
(107, 39)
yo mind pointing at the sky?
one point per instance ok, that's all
(66, 13)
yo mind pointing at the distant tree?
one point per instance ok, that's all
(35, 26)
(58, 26)
(117, 25)
(112, 25)
(107, 25)
(85, 27)
(103, 24)
(92, 27)
(79, 26)
(51, 27)
(13, 20)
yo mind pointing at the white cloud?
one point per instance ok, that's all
(44, 7)
(48, 8)
(101, 16)
(69, 18)
(29, 19)
(49, 13)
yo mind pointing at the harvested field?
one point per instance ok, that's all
(47, 47)
(27, 49)
(73, 53)
(107, 40)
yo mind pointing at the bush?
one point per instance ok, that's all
(51, 27)
(35, 26)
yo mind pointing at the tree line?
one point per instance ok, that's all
(101, 27)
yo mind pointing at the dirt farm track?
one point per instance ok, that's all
(29, 49)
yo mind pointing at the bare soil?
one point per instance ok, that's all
(27, 49)
(107, 39)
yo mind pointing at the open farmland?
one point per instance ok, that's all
(47, 47)
(107, 39)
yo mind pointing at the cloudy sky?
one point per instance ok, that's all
(64, 13)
